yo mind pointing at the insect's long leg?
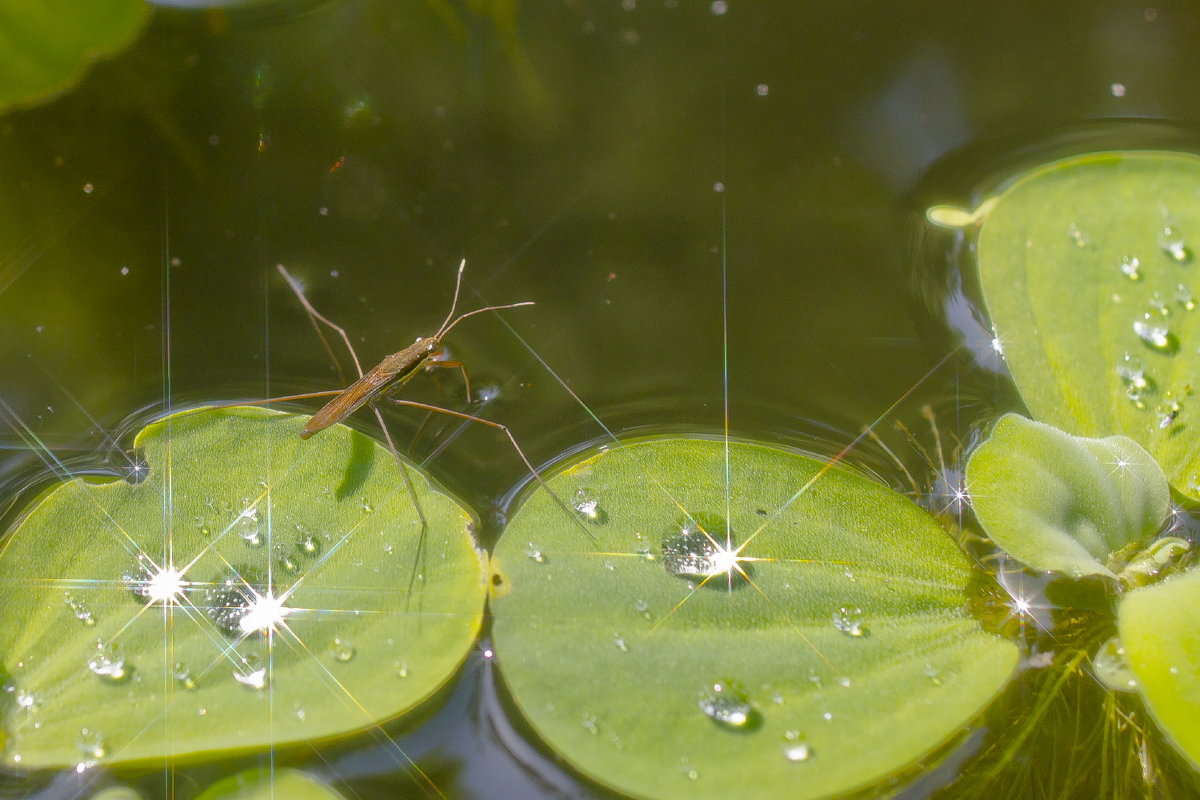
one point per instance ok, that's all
(314, 316)
(512, 440)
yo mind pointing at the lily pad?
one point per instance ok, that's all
(1160, 630)
(1066, 503)
(270, 784)
(46, 46)
(253, 590)
(1089, 273)
(825, 650)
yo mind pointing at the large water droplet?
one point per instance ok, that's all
(849, 620)
(698, 547)
(725, 705)
(229, 599)
(108, 662)
(1172, 242)
(1154, 335)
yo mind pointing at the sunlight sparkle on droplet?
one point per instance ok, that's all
(167, 585)
(265, 614)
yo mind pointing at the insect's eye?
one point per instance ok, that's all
(430, 347)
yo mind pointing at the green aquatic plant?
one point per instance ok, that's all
(251, 590)
(753, 612)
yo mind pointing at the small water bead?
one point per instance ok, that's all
(1159, 305)
(1131, 268)
(401, 668)
(247, 525)
(641, 545)
(202, 526)
(848, 620)
(1167, 412)
(642, 607)
(366, 506)
(725, 705)
(91, 744)
(844, 682)
(79, 609)
(827, 716)
(795, 749)
(1172, 242)
(1155, 336)
(341, 649)
(620, 643)
(1183, 296)
(108, 662)
(534, 554)
(587, 505)
(934, 677)
(590, 723)
(139, 577)
(251, 673)
(183, 675)
(1080, 238)
(26, 700)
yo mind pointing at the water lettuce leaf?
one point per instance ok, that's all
(1060, 502)
(281, 783)
(837, 651)
(46, 46)
(254, 590)
(1159, 627)
(1089, 274)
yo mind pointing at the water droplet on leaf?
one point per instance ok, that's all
(725, 705)
(849, 620)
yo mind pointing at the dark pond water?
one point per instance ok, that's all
(717, 208)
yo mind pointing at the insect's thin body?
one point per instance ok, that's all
(394, 370)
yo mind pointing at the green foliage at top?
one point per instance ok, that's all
(1089, 274)
(46, 46)
(1067, 503)
(139, 618)
(836, 652)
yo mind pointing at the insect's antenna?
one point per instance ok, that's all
(446, 323)
(461, 317)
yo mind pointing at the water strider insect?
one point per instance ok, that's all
(396, 369)
(390, 374)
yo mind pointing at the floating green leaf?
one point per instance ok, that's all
(1089, 274)
(835, 653)
(270, 784)
(1060, 502)
(47, 45)
(254, 589)
(1160, 630)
